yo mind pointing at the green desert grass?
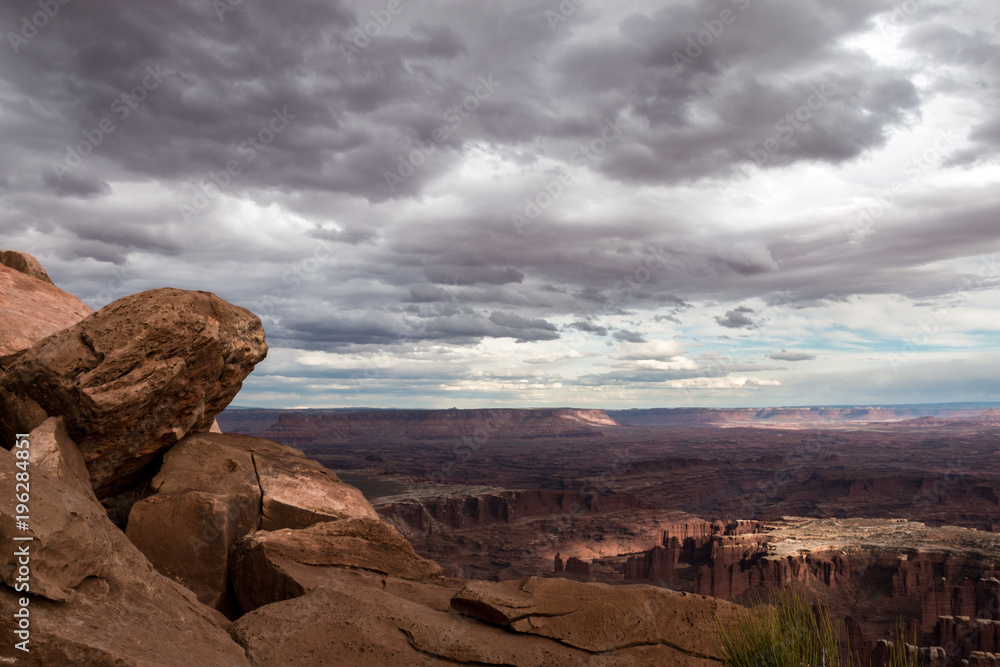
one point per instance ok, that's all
(792, 632)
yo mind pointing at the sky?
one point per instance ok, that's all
(530, 202)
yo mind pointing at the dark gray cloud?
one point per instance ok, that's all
(358, 191)
(738, 318)
(589, 327)
(626, 336)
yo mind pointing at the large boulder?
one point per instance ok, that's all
(31, 309)
(601, 617)
(299, 492)
(208, 497)
(93, 598)
(270, 566)
(134, 378)
(213, 489)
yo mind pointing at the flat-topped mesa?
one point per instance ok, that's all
(912, 415)
(134, 378)
(320, 427)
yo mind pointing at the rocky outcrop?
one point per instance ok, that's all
(207, 498)
(93, 598)
(967, 634)
(359, 626)
(360, 621)
(31, 309)
(482, 509)
(24, 263)
(271, 566)
(134, 378)
(53, 452)
(600, 617)
(215, 488)
(298, 492)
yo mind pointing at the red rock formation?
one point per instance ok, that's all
(24, 263)
(964, 634)
(31, 309)
(577, 567)
(499, 507)
(134, 378)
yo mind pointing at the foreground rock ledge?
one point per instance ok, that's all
(134, 378)
(215, 488)
(600, 617)
(94, 599)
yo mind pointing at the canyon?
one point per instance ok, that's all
(882, 513)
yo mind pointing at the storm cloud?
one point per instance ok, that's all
(481, 201)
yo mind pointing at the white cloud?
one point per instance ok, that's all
(654, 350)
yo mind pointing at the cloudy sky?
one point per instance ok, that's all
(530, 202)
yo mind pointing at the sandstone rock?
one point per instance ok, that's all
(600, 617)
(67, 545)
(24, 263)
(31, 309)
(53, 452)
(94, 599)
(213, 489)
(299, 492)
(134, 378)
(208, 497)
(364, 627)
(273, 566)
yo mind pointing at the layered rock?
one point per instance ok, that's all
(360, 626)
(273, 566)
(93, 598)
(32, 308)
(482, 509)
(600, 617)
(215, 488)
(134, 378)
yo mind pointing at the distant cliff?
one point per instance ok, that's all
(325, 426)
(801, 415)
